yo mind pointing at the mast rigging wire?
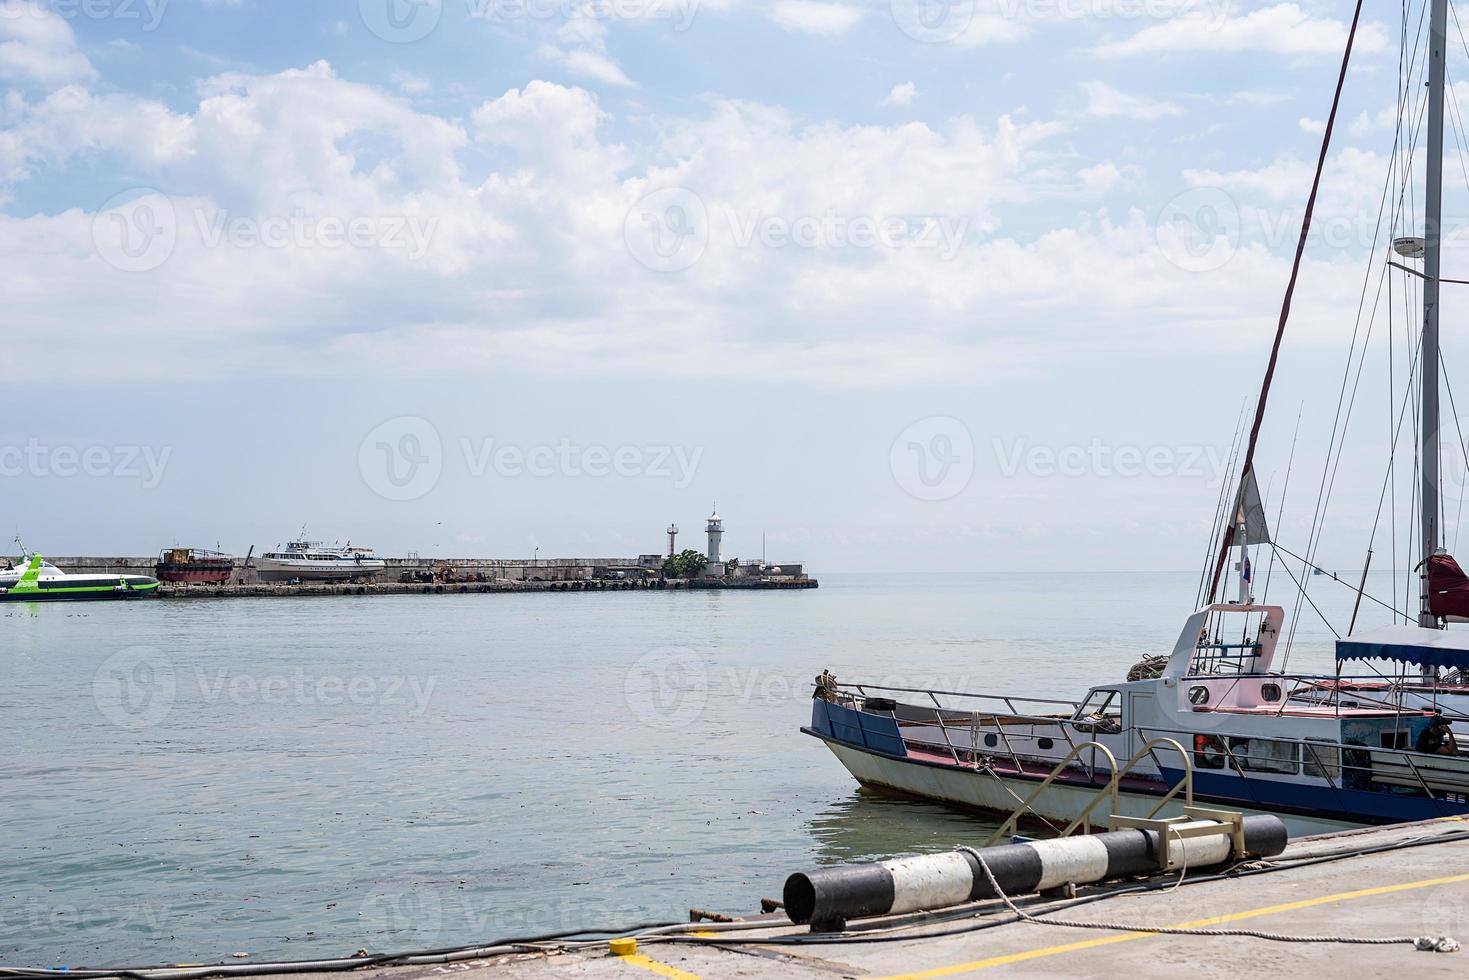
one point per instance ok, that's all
(1249, 460)
(1339, 425)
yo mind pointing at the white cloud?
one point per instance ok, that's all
(527, 262)
(591, 65)
(552, 129)
(410, 83)
(1106, 102)
(1101, 177)
(1348, 203)
(1384, 119)
(73, 120)
(987, 29)
(1314, 127)
(1280, 29)
(581, 48)
(37, 45)
(1255, 98)
(815, 16)
(902, 94)
(1280, 179)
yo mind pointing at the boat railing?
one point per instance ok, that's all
(1108, 792)
(1336, 691)
(934, 694)
(1343, 765)
(1385, 693)
(1006, 726)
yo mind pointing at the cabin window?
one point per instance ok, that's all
(991, 740)
(1198, 694)
(1270, 692)
(1264, 755)
(1045, 743)
(1396, 739)
(1321, 759)
(1099, 705)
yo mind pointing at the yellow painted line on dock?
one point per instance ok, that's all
(1033, 954)
(662, 969)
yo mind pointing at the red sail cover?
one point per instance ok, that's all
(1448, 587)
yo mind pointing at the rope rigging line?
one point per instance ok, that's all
(1336, 445)
(1463, 452)
(1290, 289)
(1402, 414)
(1361, 592)
(1290, 463)
(1324, 491)
(1221, 504)
(1301, 591)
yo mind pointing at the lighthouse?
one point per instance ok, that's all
(672, 537)
(715, 530)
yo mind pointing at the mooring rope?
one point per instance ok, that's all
(1437, 944)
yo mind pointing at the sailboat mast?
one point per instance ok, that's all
(1432, 222)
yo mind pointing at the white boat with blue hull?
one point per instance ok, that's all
(1221, 716)
(1217, 711)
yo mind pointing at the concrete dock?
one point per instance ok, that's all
(456, 576)
(260, 590)
(1415, 890)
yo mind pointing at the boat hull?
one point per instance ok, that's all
(270, 570)
(1000, 794)
(81, 594)
(194, 573)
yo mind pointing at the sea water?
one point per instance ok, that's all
(303, 778)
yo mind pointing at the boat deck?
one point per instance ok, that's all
(1004, 764)
(1407, 892)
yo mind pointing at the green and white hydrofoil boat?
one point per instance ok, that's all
(36, 580)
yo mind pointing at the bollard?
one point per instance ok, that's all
(827, 897)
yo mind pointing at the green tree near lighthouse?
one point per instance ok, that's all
(686, 564)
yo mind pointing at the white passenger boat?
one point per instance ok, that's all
(313, 561)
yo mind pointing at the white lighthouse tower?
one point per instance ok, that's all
(715, 530)
(672, 537)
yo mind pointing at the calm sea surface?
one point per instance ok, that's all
(302, 778)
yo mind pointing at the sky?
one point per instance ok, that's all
(896, 284)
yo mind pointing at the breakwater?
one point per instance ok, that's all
(445, 576)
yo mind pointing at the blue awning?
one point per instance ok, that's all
(1409, 645)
